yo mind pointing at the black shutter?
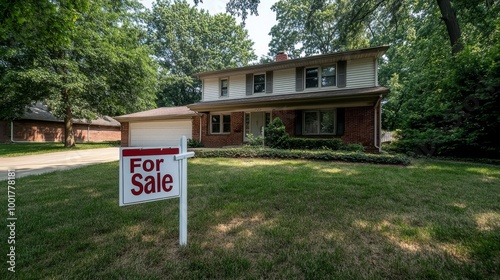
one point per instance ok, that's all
(249, 84)
(298, 122)
(340, 121)
(269, 82)
(299, 79)
(341, 73)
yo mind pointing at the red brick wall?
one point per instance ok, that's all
(220, 140)
(359, 123)
(195, 127)
(288, 119)
(4, 131)
(124, 132)
(42, 131)
(359, 126)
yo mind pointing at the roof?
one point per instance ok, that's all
(299, 62)
(346, 97)
(163, 113)
(40, 112)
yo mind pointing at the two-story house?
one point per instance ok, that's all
(323, 96)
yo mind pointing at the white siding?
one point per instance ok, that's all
(361, 73)
(237, 87)
(284, 81)
(159, 133)
(211, 89)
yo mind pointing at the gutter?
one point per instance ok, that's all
(377, 124)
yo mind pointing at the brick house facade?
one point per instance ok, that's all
(38, 125)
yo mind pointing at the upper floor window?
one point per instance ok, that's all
(319, 122)
(224, 85)
(220, 123)
(326, 74)
(259, 83)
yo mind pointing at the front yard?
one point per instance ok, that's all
(34, 148)
(256, 218)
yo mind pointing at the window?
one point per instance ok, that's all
(259, 83)
(327, 74)
(220, 123)
(328, 77)
(311, 77)
(319, 122)
(223, 87)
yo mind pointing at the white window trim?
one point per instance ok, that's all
(220, 87)
(253, 83)
(317, 113)
(320, 75)
(221, 129)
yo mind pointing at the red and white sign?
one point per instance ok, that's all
(148, 174)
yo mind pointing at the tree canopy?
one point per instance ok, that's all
(186, 41)
(82, 58)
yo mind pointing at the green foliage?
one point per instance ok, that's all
(89, 59)
(314, 144)
(193, 143)
(275, 134)
(187, 41)
(255, 141)
(303, 154)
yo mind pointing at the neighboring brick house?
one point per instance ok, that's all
(323, 96)
(39, 125)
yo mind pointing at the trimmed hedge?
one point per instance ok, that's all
(302, 154)
(314, 144)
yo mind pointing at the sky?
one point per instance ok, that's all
(258, 26)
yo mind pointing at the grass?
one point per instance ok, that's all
(22, 149)
(265, 219)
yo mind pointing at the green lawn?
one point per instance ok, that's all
(22, 149)
(264, 219)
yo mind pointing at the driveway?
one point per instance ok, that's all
(43, 163)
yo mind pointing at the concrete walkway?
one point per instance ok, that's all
(43, 163)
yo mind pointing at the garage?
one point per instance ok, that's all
(161, 127)
(159, 133)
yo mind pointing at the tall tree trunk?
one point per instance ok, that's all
(69, 137)
(449, 17)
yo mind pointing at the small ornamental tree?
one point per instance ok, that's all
(275, 134)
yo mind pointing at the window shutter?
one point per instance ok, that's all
(298, 122)
(269, 82)
(299, 79)
(340, 121)
(249, 84)
(341, 73)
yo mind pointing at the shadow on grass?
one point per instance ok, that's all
(252, 218)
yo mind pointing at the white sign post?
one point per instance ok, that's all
(151, 174)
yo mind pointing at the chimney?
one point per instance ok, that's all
(280, 56)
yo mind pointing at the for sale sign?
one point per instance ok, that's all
(148, 174)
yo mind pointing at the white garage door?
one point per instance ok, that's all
(159, 133)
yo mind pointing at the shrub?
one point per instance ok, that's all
(352, 147)
(255, 141)
(275, 134)
(314, 144)
(193, 143)
(302, 154)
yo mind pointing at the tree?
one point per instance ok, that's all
(93, 64)
(188, 41)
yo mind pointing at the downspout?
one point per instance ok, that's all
(377, 123)
(12, 131)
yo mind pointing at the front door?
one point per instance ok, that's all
(255, 123)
